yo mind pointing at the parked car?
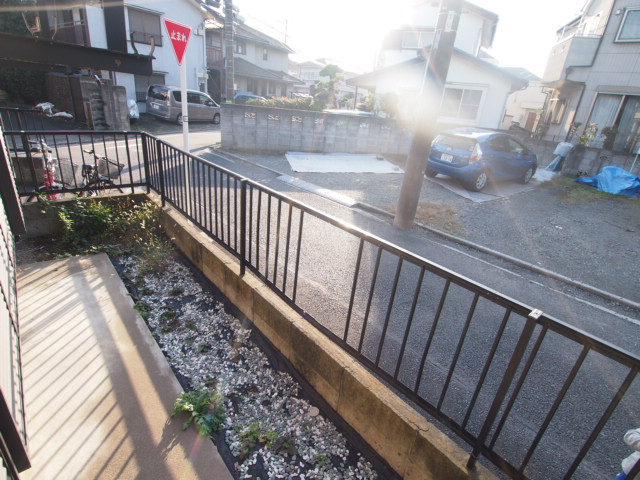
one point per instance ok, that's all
(165, 102)
(474, 156)
(241, 98)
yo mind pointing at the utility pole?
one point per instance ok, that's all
(435, 78)
(228, 51)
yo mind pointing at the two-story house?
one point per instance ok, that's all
(476, 88)
(134, 27)
(594, 74)
(261, 62)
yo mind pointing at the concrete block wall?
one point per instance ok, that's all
(280, 130)
(412, 446)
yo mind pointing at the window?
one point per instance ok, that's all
(272, 88)
(241, 47)
(630, 27)
(144, 25)
(417, 39)
(621, 112)
(461, 103)
(558, 110)
(265, 54)
(143, 83)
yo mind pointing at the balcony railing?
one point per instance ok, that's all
(214, 57)
(533, 395)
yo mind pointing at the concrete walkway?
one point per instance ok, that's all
(98, 391)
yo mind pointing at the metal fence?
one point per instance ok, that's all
(533, 395)
(55, 163)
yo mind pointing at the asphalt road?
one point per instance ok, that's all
(324, 291)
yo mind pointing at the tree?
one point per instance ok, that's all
(330, 87)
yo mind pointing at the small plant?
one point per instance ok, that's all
(83, 220)
(205, 409)
(176, 291)
(609, 134)
(143, 309)
(590, 132)
(155, 255)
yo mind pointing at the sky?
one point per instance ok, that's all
(350, 31)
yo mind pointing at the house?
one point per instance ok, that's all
(593, 73)
(261, 62)
(524, 106)
(476, 88)
(309, 73)
(135, 27)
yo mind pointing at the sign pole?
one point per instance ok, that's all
(179, 35)
(185, 110)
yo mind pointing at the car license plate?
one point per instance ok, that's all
(446, 157)
(155, 105)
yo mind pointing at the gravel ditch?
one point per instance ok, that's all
(271, 430)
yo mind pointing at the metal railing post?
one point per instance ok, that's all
(501, 394)
(158, 159)
(27, 151)
(243, 226)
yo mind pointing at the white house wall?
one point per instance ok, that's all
(468, 35)
(496, 88)
(462, 73)
(97, 29)
(276, 60)
(165, 62)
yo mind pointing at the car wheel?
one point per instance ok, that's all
(430, 173)
(526, 177)
(179, 119)
(479, 182)
(216, 119)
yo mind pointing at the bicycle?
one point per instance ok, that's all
(50, 186)
(97, 178)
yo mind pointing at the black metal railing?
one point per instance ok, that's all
(535, 396)
(117, 157)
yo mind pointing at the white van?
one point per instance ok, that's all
(165, 102)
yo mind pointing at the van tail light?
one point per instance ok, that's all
(476, 154)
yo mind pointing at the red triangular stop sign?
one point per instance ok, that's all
(179, 35)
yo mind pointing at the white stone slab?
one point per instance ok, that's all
(340, 163)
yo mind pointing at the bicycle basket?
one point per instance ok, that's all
(109, 168)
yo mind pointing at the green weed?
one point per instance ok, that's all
(204, 408)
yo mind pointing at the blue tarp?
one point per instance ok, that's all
(614, 180)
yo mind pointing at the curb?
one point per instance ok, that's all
(516, 261)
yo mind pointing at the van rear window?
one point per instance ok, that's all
(157, 93)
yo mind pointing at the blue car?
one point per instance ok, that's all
(474, 156)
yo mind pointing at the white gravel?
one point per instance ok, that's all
(212, 349)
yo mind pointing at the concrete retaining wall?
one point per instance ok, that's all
(279, 130)
(412, 446)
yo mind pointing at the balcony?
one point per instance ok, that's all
(577, 51)
(215, 57)
(71, 33)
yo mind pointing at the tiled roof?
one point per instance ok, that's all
(246, 69)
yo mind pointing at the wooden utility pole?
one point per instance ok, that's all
(229, 91)
(435, 77)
